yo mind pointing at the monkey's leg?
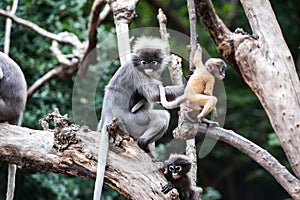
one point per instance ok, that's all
(156, 128)
(208, 103)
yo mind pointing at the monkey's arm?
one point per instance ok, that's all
(174, 91)
(152, 94)
(198, 58)
(209, 86)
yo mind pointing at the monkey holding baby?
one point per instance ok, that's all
(13, 96)
(198, 94)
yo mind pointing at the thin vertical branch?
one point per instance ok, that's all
(8, 27)
(124, 12)
(90, 56)
(175, 68)
(191, 143)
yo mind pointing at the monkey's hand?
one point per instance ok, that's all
(167, 188)
(198, 56)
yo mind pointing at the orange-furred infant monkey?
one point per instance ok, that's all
(198, 94)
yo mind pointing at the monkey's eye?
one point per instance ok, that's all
(178, 168)
(171, 168)
(143, 62)
(154, 62)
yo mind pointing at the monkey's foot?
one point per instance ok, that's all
(186, 115)
(143, 144)
(208, 122)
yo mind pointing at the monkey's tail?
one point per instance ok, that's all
(102, 156)
(12, 169)
(171, 104)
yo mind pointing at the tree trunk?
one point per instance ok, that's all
(266, 64)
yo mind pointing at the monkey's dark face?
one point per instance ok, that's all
(148, 61)
(176, 171)
(216, 67)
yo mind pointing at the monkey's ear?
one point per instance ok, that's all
(189, 166)
(210, 66)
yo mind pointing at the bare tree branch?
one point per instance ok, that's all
(92, 42)
(173, 18)
(36, 28)
(8, 26)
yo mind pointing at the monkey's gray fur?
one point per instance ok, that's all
(13, 95)
(137, 82)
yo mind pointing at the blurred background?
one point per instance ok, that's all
(225, 173)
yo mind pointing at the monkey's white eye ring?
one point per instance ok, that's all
(143, 62)
(171, 168)
(178, 168)
(154, 62)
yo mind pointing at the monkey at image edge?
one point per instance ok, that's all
(13, 95)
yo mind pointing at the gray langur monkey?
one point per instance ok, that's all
(13, 96)
(134, 88)
(131, 93)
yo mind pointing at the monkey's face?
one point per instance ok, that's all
(148, 61)
(216, 67)
(177, 171)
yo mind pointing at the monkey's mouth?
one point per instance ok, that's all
(149, 72)
(221, 77)
(175, 175)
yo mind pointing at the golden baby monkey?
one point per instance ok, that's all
(198, 93)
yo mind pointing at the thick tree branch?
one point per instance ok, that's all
(289, 182)
(33, 149)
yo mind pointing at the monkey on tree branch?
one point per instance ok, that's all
(131, 93)
(13, 96)
(176, 171)
(198, 95)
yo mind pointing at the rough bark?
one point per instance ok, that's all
(264, 56)
(137, 177)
